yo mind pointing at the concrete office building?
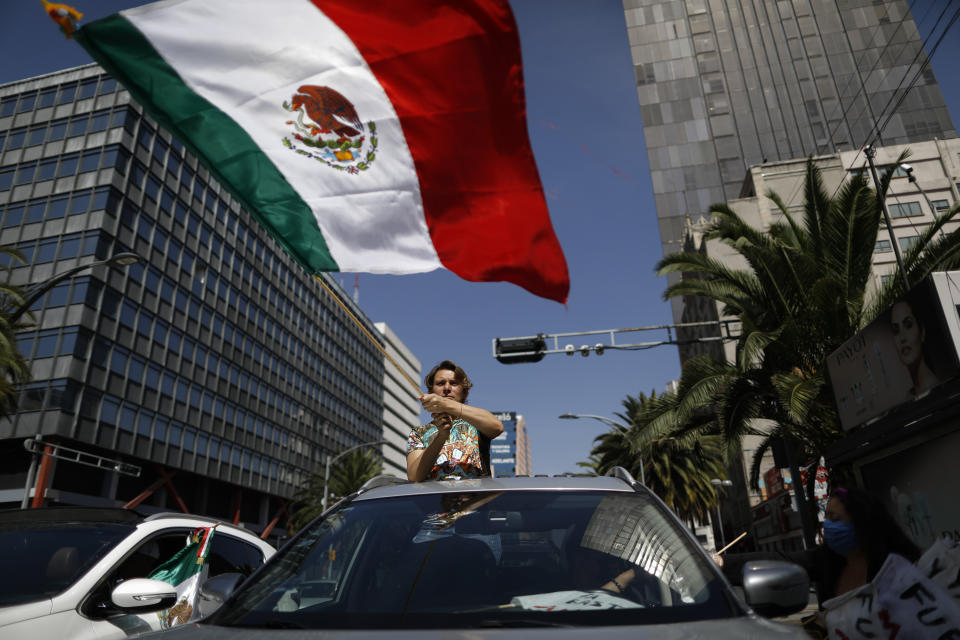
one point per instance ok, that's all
(510, 451)
(217, 365)
(913, 199)
(401, 411)
(727, 85)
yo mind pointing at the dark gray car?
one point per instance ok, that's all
(488, 557)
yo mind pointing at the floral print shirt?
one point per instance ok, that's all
(460, 455)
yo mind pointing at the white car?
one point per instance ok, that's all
(60, 566)
(498, 558)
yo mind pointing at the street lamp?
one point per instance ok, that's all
(119, 260)
(870, 152)
(612, 423)
(717, 482)
(913, 180)
(330, 461)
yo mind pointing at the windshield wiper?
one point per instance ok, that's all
(519, 622)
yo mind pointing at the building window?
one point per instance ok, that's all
(36, 135)
(7, 106)
(940, 205)
(100, 121)
(33, 397)
(90, 160)
(137, 173)
(88, 88)
(78, 125)
(905, 209)
(25, 172)
(173, 435)
(47, 169)
(80, 202)
(47, 343)
(107, 85)
(145, 136)
(58, 130)
(68, 165)
(67, 93)
(35, 210)
(70, 246)
(644, 73)
(907, 242)
(16, 139)
(27, 100)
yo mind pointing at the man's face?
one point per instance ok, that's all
(446, 385)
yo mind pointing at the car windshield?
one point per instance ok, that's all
(47, 559)
(485, 559)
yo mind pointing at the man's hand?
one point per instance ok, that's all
(444, 422)
(438, 404)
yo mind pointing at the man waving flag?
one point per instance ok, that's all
(378, 136)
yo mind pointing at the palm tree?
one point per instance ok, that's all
(14, 370)
(678, 461)
(353, 469)
(803, 294)
(346, 476)
(591, 464)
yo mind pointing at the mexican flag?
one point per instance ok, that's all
(185, 571)
(381, 136)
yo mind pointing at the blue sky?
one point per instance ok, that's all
(584, 124)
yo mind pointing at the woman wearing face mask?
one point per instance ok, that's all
(858, 535)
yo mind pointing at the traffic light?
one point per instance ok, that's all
(518, 350)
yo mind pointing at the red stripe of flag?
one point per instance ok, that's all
(453, 72)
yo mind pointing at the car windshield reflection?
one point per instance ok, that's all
(485, 558)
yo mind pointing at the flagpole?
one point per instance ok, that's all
(375, 342)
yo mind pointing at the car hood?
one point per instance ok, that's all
(25, 611)
(742, 628)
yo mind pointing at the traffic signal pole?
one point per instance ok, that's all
(525, 349)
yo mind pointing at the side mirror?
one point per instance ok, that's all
(775, 588)
(215, 591)
(143, 595)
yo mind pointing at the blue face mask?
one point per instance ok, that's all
(839, 536)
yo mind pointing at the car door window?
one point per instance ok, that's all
(231, 555)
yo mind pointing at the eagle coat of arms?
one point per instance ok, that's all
(328, 129)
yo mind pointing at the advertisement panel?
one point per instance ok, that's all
(919, 489)
(900, 356)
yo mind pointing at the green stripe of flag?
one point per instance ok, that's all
(227, 150)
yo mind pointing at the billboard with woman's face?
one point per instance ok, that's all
(899, 357)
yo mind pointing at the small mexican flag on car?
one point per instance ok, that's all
(185, 571)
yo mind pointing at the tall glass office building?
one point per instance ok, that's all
(724, 85)
(216, 359)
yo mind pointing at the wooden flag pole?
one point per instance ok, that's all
(735, 541)
(375, 342)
